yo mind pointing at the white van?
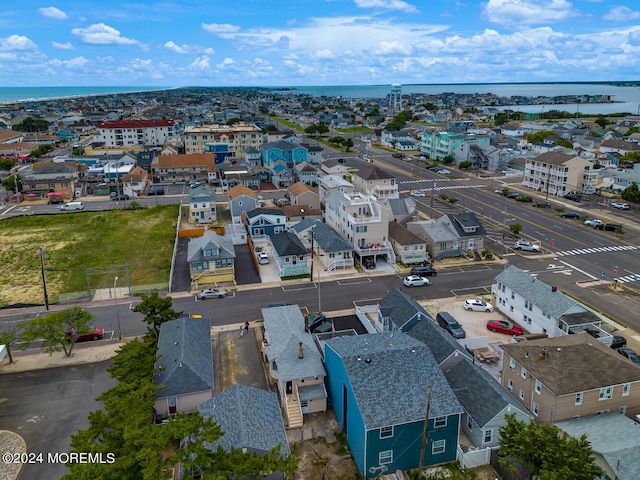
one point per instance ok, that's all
(72, 206)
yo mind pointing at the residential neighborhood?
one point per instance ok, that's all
(273, 216)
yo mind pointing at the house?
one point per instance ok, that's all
(619, 146)
(614, 440)
(294, 363)
(451, 235)
(184, 366)
(438, 145)
(46, 177)
(402, 209)
(557, 173)
(291, 256)
(302, 194)
(326, 245)
(363, 221)
(135, 181)
(306, 173)
(251, 421)
(202, 204)
(235, 138)
(297, 213)
(375, 181)
(136, 132)
(211, 259)
(408, 247)
(570, 376)
(265, 222)
(331, 184)
(386, 426)
(291, 153)
(184, 168)
(542, 308)
(281, 175)
(241, 200)
(332, 167)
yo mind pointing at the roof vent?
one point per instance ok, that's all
(367, 360)
(359, 357)
(554, 288)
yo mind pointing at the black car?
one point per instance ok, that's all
(618, 341)
(524, 198)
(397, 155)
(630, 354)
(122, 196)
(368, 262)
(156, 191)
(609, 227)
(55, 201)
(570, 215)
(574, 197)
(512, 194)
(423, 271)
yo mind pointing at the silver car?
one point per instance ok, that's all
(211, 293)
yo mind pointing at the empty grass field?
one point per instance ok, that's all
(84, 248)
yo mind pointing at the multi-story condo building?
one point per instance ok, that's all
(437, 145)
(129, 133)
(236, 138)
(377, 182)
(362, 221)
(556, 173)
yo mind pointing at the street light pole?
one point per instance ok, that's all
(115, 296)
(44, 279)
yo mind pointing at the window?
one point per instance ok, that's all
(386, 432)
(602, 412)
(385, 457)
(510, 385)
(625, 389)
(538, 387)
(622, 410)
(579, 398)
(606, 393)
(469, 423)
(523, 372)
(488, 435)
(535, 409)
(512, 363)
(438, 447)
(440, 422)
(521, 394)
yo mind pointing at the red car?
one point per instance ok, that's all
(96, 334)
(502, 326)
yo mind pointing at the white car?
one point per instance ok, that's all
(620, 205)
(443, 171)
(211, 293)
(478, 305)
(594, 222)
(415, 281)
(526, 246)
(263, 258)
(417, 193)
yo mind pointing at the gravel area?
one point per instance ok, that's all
(10, 443)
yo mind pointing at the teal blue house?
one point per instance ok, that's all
(292, 153)
(379, 388)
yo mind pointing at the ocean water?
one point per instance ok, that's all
(625, 95)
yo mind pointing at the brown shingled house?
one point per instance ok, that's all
(570, 376)
(199, 167)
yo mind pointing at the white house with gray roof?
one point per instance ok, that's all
(294, 363)
(184, 365)
(329, 248)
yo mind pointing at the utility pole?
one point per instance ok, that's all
(312, 260)
(115, 297)
(425, 432)
(44, 279)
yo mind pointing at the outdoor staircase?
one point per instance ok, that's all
(294, 413)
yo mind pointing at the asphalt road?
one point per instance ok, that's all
(46, 406)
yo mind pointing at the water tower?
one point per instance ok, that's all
(395, 97)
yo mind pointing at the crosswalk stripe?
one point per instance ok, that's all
(583, 251)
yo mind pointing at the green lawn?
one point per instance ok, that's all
(103, 241)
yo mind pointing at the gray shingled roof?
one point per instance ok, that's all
(460, 221)
(438, 231)
(553, 158)
(330, 240)
(285, 330)
(539, 293)
(402, 309)
(613, 436)
(249, 417)
(573, 363)
(185, 363)
(373, 172)
(210, 240)
(478, 392)
(405, 367)
(401, 206)
(441, 344)
(403, 236)
(202, 193)
(287, 243)
(264, 211)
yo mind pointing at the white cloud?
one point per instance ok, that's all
(62, 46)
(220, 27)
(527, 12)
(387, 5)
(187, 49)
(227, 62)
(324, 54)
(101, 34)
(78, 62)
(621, 14)
(393, 48)
(200, 63)
(53, 12)
(17, 42)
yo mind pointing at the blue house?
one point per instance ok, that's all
(265, 222)
(292, 153)
(382, 387)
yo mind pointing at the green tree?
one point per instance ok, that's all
(156, 311)
(58, 330)
(548, 452)
(6, 164)
(448, 159)
(234, 120)
(337, 140)
(348, 143)
(564, 143)
(631, 193)
(515, 228)
(10, 183)
(602, 121)
(539, 136)
(465, 164)
(31, 125)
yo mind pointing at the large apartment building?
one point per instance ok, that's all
(556, 173)
(129, 133)
(232, 139)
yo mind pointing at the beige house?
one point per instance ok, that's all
(570, 376)
(556, 173)
(408, 247)
(377, 182)
(135, 181)
(363, 221)
(202, 204)
(184, 168)
(302, 194)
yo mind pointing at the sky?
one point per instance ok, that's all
(175, 43)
